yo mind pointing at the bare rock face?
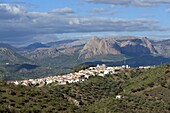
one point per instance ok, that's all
(97, 46)
(137, 46)
(126, 45)
(148, 44)
(163, 47)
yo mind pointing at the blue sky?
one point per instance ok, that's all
(23, 22)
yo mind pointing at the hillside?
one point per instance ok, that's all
(142, 91)
(163, 47)
(145, 92)
(27, 71)
(10, 56)
(33, 47)
(41, 53)
(8, 46)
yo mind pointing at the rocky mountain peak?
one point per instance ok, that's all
(129, 46)
(99, 46)
(137, 46)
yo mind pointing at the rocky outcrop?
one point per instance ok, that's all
(130, 46)
(163, 47)
(137, 46)
(97, 46)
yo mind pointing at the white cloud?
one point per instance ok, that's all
(65, 10)
(22, 26)
(10, 11)
(160, 35)
(168, 10)
(13, 9)
(142, 3)
(97, 10)
(103, 11)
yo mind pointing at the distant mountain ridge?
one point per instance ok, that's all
(128, 46)
(8, 46)
(11, 56)
(43, 53)
(63, 56)
(34, 46)
(79, 51)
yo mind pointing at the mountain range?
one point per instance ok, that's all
(88, 49)
(66, 54)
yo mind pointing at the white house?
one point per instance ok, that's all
(101, 74)
(106, 72)
(16, 82)
(118, 96)
(7, 63)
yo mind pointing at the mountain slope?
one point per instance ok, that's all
(8, 46)
(163, 47)
(8, 55)
(41, 53)
(61, 42)
(96, 46)
(33, 47)
(138, 46)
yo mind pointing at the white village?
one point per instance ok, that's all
(80, 76)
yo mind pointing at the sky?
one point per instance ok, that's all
(23, 22)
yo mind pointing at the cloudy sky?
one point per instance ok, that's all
(26, 21)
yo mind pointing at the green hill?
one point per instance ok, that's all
(141, 90)
(27, 71)
(146, 91)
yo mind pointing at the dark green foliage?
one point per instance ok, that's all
(81, 67)
(25, 99)
(27, 71)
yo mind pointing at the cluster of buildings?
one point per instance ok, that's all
(82, 75)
